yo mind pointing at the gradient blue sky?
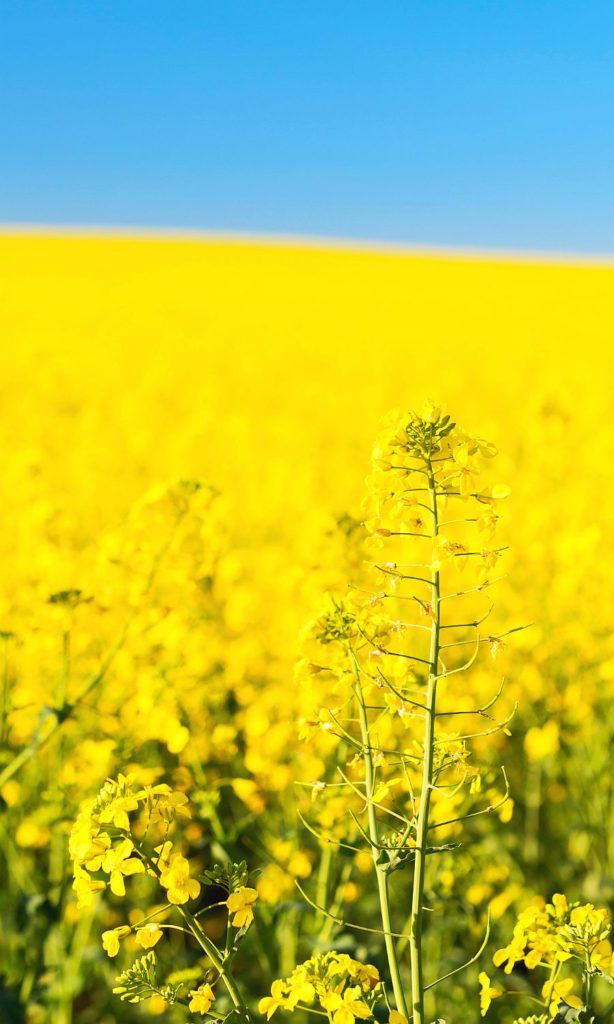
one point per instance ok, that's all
(462, 123)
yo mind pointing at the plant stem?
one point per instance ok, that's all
(215, 955)
(216, 959)
(417, 910)
(587, 979)
(324, 876)
(381, 875)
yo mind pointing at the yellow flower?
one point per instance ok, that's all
(116, 811)
(346, 1008)
(86, 888)
(31, 835)
(157, 1005)
(87, 845)
(301, 991)
(560, 904)
(561, 991)
(148, 935)
(110, 939)
(396, 1017)
(510, 955)
(274, 883)
(176, 880)
(601, 956)
(201, 999)
(240, 904)
(119, 864)
(487, 992)
(165, 803)
(269, 1004)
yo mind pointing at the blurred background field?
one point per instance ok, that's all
(264, 369)
(242, 360)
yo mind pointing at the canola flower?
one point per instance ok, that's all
(345, 989)
(153, 625)
(201, 999)
(558, 937)
(118, 834)
(432, 515)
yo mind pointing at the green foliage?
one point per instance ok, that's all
(140, 982)
(227, 876)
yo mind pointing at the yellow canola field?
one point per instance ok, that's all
(130, 366)
(260, 364)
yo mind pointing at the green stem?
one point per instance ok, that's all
(324, 876)
(215, 955)
(554, 971)
(417, 899)
(587, 982)
(336, 905)
(381, 875)
(216, 959)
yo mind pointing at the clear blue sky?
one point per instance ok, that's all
(452, 122)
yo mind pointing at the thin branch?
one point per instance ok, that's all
(461, 668)
(486, 732)
(340, 920)
(473, 590)
(468, 625)
(368, 800)
(476, 711)
(467, 963)
(475, 814)
(326, 839)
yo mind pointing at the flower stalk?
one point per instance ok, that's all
(380, 872)
(422, 828)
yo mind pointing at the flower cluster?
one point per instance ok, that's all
(103, 841)
(557, 936)
(124, 832)
(345, 989)
(556, 932)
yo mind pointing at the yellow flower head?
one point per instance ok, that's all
(118, 863)
(561, 991)
(148, 935)
(86, 888)
(111, 939)
(201, 999)
(240, 904)
(346, 1008)
(176, 880)
(276, 1000)
(487, 992)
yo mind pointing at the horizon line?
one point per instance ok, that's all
(273, 239)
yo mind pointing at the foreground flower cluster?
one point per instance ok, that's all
(571, 942)
(124, 832)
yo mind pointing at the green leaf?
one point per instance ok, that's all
(228, 876)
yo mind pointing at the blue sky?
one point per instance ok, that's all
(461, 123)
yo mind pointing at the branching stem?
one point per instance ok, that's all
(417, 899)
